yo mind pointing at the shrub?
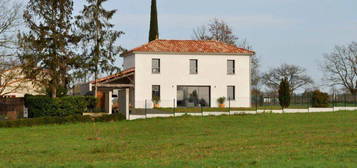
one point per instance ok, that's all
(221, 100)
(41, 106)
(72, 104)
(44, 121)
(59, 120)
(319, 99)
(61, 92)
(92, 102)
(2, 117)
(156, 100)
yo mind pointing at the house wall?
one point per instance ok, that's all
(129, 62)
(212, 71)
(17, 86)
(26, 88)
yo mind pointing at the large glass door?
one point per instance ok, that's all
(193, 96)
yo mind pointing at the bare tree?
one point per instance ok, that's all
(255, 73)
(216, 30)
(10, 19)
(200, 33)
(219, 30)
(340, 67)
(295, 75)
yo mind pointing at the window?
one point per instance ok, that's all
(193, 66)
(156, 66)
(155, 91)
(231, 92)
(231, 67)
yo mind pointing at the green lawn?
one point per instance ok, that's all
(267, 140)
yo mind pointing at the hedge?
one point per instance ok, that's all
(44, 106)
(59, 120)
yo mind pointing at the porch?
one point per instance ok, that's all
(116, 92)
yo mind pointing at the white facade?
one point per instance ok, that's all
(129, 62)
(175, 71)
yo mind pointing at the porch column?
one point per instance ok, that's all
(124, 96)
(127, 103)
(108, 102)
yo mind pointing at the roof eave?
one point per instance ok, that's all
(186, 53)
(130, 71)
(127, 54)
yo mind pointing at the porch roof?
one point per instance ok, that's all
(110, 78)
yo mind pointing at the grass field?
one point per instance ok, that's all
(267, 140)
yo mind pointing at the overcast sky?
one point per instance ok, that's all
(281, 31)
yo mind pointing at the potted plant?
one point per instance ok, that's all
(156, 101)
(221, 101)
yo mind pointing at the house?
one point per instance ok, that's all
(13, 83)
(181, 73)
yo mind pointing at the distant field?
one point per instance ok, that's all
(267, 140)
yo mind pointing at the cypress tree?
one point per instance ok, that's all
(154, 27)
(284, 93)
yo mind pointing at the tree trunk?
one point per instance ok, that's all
(353, 91)
(53, 92)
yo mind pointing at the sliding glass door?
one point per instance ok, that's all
(193, 96)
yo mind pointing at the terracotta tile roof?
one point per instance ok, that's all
(188, 46)
(117, 75)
